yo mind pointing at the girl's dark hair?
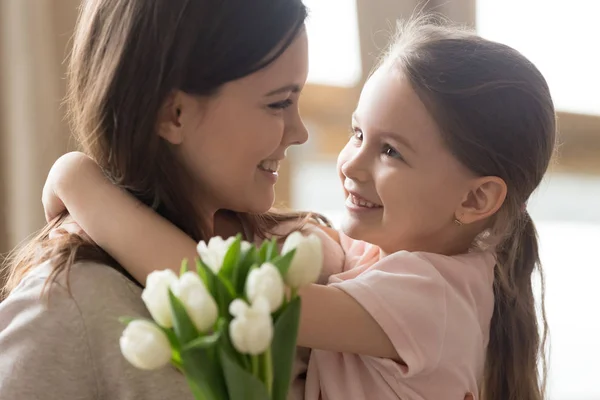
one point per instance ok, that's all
(497, 117)
(128, 56)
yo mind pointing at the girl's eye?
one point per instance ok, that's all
(356, 134)
(391, 152)
(281, 105)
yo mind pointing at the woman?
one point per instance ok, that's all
(188, 105)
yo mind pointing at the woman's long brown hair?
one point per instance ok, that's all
(128, 56)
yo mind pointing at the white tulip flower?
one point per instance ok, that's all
(198, 302)
(251, 330)
(145, 345)
(156, 296)
(213, 253)
(307, 262)
(245, 246)
(266, 282)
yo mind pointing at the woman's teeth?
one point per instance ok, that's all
(271, 166)
(362, 203)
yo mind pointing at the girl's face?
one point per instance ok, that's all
(233, 142)
(402, 185)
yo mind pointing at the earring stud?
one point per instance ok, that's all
(457, 222)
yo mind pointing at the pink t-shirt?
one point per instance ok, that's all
(435, 309)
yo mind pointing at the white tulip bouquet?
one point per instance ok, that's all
(231, 325)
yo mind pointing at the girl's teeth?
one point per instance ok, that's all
(363, 203)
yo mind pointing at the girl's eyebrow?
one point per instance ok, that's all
(391, 135)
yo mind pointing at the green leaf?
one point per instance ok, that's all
(184, 267)
(284, 261)
(203, 342)
(219, 287)
(182, 324)
(272, 250)
(240, 274)
(227, 285)
(223, 297)
(202, 269)
(203, 374)
(262, 253)
(283, 348)
(173, 341)
(231, 259)
(241, 384)
(197, 391)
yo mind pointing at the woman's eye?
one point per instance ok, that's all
(281, 105)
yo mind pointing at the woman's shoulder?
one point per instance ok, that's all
(87, 288)
(82, 276)
(42, 332)
(69, 327)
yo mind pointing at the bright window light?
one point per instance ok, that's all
(334, 53)
(562, 38)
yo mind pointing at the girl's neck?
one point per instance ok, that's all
(443, 247)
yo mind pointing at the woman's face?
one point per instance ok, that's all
(233, 142)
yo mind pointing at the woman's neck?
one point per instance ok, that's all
(227, 223)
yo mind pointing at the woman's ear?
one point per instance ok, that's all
(169, 125)
(484, 199)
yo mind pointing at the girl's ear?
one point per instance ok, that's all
(484, 199)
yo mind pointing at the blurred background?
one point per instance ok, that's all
(561, 37)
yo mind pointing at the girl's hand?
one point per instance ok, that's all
(68, 227)
(62, 173)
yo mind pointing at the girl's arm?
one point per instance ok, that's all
(332, 233)
(137, 237)
(342, 326)
(141, 241)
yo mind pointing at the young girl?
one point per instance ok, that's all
(451, 136)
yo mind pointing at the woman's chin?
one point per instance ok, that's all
(259, 204)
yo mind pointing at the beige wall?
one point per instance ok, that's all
(34, 35)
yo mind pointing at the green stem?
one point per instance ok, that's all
(294, 294)
(178, 366)
(176, 361)
(246, 361)
(255, 366)
(267, 371)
